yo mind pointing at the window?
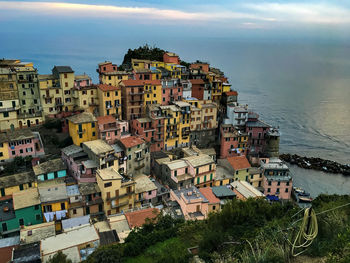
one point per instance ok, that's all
(108, 184)
(278, 183)
(2, 192)
(277, 190)
(29, 233)
(269, 183)
(268, 190)
(36, 207)
(93, 134)
(66, 84)
(198, 180)
(63, 206)
(197, 170)
(175, 173)
(205, 178)
(214, 207)
(65, 75)
(21, 187)
(287, 183)
(4, 227)
(74, 211)
(6, 114)
(286, 190)
(37, 217)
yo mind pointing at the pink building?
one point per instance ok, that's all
(169, 57)
(24, 143)
(110, 129)
(171, 91)
(81, 81)
(277, 179)
(193, 204)
(176, 174)
(106, 66)
(145, 190)
(257, 131)
(78, 164)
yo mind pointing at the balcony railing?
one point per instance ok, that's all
(81, 132)
(9, 109)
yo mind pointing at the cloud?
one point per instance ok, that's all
(112, 11)
(317, 13)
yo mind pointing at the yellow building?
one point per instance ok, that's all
(110, 100)
(86, 98)
(153, 93)
(184, 123)
(54, 201)
(171, 126)
(255, 177)
(82, 128)
(117, 192)
(140, 64)
(66, 78)
(17, 182)
(114, 78)
(4, 148)
(226, 87)
(174, 69)
(240, 166)
(51, 95)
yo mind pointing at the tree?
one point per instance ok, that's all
(59, 257)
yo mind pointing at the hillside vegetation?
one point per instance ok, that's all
(245, 232)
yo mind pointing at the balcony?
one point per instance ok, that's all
(136, 93)
(9, 109)
(47, 96)
(29, 115)
(138, 159)
(116, 205)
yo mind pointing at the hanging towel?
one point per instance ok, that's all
(47, 217)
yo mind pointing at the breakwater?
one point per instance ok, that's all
(316, 164)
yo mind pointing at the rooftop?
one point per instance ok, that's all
(63, 69)
(245, 189)
(257, 124)
(190, 194)
(27, 253)
(88, 188)
(108, 237)
(89, 164)
(138, 218)
(84, 117)
(72, 149)
(70, 223)
(98, 146)
(223, 173)
(81, 77)
(177, 164)
(275, 163)
(109, 174)
(182, 104)
(239, 162)
(17, 179)
(143, 184)
(72, 190)
(105, 87)
(53, 193)
(199, 160)
(6, 209)
(106, 119)
(143, 120)
(26, 198)
(49, 167)
(17, 135)
(131, 141)
(222, 191)
(208, 194)
(69, 239)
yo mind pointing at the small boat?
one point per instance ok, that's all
(304, 199)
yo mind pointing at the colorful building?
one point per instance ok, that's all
(171, 91)
(49, 170)
(202, 168)
(257, 131)
(117, 192)
(110, 100)
(86, 98)
(277, 179)
(82, 128)
(244, 190)
(91, 199)
(22, 209)
(194, 205)
(214, 204)
(14, 183)
(233, 142)
(101, 154)
(145, 190)
(133, 99)
(175, 174)
(240, 166)
(138, 156)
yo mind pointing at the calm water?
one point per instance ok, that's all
(304, 88)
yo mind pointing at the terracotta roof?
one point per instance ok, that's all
(152, 82)
(106, 119)
(131, 141)
(232, 93)
(105, 87)
(197, 81)
(138, 218)
(133, 82)
(239, 162)
(208, 193)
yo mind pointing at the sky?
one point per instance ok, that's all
(69, 27)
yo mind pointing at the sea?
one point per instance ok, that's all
(300, 86)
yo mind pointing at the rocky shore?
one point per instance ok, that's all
(316, 164)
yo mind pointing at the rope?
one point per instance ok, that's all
(307, 232)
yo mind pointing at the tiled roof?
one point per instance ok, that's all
(222, 191)
(138, 218)
(197, 81)
(232, 93)
(239, 162)
(64, 69)
(106, 119)
(131, 141)
(208, 193)
(132, 82)
(83, 117)
(49, 167)
(17, 179)
(105, 87)
(26, 198)
(152, 82)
